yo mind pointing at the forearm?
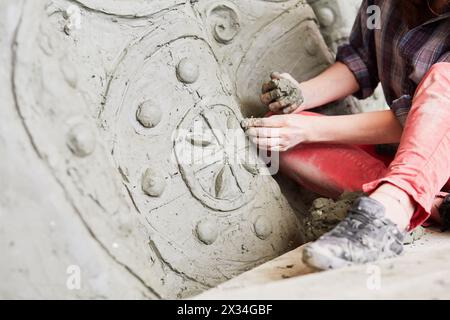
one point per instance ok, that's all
(366, 128)
(335, 83)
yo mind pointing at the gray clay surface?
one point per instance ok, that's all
(96, 95)
(98, 198)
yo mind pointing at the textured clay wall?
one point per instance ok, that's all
(96, 201)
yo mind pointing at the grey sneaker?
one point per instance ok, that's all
(364, 236)
(444, 211)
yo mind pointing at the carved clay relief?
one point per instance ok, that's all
(336, 19)
(105, 88)
(254, 38)
(130, 8)
(234, 182)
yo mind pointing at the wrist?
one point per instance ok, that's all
(307, 97)
(314, 130)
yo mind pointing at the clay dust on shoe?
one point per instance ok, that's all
(325, 214)
(364, 236)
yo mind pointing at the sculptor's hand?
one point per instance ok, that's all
(282, 94)
(278, 133)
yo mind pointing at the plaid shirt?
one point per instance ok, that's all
(394, 55)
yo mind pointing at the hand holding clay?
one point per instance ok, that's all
(278, 133)
(282, 94)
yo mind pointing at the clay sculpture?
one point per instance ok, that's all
(105, 102)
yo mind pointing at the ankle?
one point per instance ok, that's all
(399, 206)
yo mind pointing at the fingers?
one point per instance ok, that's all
(272, 122)
(286, 76)
(272, 144)
(290, 109)
(269, 86)
(272, 93)
(276, 75)
(272, 84)
(263, 133)
(281, 94)
(275, 95)
(279, 105)
(266, 98)
(267, 133)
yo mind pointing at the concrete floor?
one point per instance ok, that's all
(422, 272)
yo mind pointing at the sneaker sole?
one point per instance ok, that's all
(322, 260)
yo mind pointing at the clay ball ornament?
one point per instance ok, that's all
(207, 231)
(153, 184)
(81, 140)
(188, 71)
(326, 17)
(148, 114)
(262, 227)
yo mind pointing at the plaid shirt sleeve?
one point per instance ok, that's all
(445, 57)
(360, 55)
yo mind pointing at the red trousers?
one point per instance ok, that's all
(421, 166)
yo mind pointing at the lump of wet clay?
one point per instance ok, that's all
(414, 235)
(325, 214)
(285, 92)
(288, 92)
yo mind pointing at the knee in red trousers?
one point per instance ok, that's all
(421, 167)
